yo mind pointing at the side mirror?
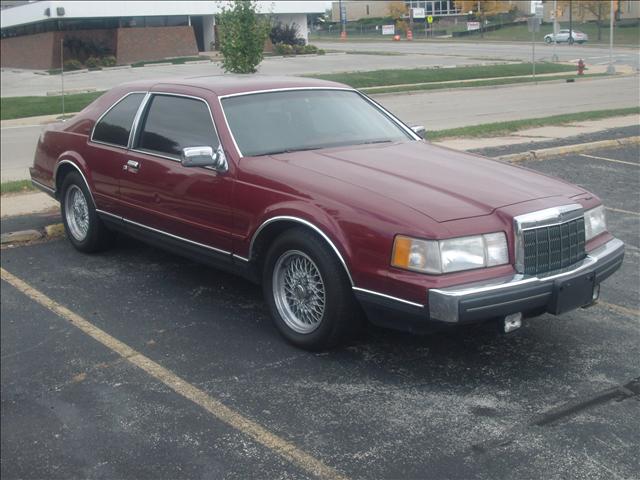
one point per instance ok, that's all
(203, 157)
(419, 130)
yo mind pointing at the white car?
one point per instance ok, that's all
(565, 36)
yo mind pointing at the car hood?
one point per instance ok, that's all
(441, 183)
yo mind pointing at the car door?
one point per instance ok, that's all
(107, 148)
(161, 195)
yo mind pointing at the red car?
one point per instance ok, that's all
(339, 209)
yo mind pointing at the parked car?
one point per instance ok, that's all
(568, 36)
(338, 208)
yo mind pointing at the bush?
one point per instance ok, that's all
(287, 34)
(93, 62)
(108, 61)
(299, 49)
(242, 36)
(72, 64)
(310, 49)
(283, 49)
(321, 51)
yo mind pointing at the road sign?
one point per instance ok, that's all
(539, 11)
(473, 26)
(418, 13)
(388, 29)
(429, 19)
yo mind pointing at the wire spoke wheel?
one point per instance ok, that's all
(76, 212)
(299, 291)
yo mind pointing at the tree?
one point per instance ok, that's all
(483, 8)
(397, 11)
(242, 34)
(600, 9)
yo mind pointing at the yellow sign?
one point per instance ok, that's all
(429, 19)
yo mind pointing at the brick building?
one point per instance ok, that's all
(32, 32)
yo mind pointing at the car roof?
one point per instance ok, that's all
(226, 84)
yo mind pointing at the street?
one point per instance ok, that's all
(431, 109)
(555, 399)
(417, 54)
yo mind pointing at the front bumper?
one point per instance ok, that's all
(555, 293)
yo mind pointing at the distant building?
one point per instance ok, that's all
(360, 9)
(32, 32)
(627, 10)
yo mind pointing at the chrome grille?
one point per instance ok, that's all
(553, 247)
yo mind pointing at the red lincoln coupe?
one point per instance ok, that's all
(338, 208)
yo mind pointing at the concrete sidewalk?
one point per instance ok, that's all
(541, 134)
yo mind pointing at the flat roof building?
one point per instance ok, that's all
(32, 32)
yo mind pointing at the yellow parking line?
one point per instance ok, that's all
(223, 413)
(619, 210)
(610, 160)
(632, 312)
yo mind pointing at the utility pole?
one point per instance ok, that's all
(570, 22)
(554, 58)
(611, 70)
(62, 73)
(343, 21)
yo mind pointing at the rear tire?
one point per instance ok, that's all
(308, 292)
(84, 229)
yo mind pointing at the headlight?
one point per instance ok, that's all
(451, 255)
(594, 222)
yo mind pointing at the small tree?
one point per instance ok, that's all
(397, 11)
(242, 34)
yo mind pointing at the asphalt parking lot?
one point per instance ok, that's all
(187, 377)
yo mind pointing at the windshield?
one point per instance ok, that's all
(278, 122)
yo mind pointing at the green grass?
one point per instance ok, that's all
(21, 107)
(174, 61)
(503, 128)
(377, 78)
(478, 83)
(16, 186)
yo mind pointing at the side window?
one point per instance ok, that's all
(173, 123)
(115, 126)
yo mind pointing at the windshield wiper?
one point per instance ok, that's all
(290, 150)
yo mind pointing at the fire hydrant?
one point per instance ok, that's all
(580, 67)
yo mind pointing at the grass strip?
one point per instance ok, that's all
(477, 83)
(503, 128)
(21, 107)
(174, 61)
(379, 78)
(16, 186)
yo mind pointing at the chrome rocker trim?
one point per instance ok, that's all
(444, 303)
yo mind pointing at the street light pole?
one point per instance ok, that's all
(343, 22)
(611, 70)
(554, 58)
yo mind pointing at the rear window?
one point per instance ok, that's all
(115, 126)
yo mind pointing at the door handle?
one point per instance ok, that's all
(131, 164)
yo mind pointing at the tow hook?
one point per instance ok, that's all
(512, 322)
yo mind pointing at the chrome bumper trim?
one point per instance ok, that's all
(40, 186)
(444, 302)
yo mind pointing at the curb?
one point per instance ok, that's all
(24, 236)
(545, 153)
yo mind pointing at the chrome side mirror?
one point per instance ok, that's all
(204, 157)
(419, 130)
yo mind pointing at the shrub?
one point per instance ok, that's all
(321, 51)
(108, 61)
(287, 34)
(93, 62)
(310, 49)
(299, 49)
(72, 64)
(242, 36)
(283, 49)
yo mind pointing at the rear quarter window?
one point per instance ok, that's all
(115, 126)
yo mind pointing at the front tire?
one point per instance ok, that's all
(308, 292)
(83, 227)
(547, 40)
